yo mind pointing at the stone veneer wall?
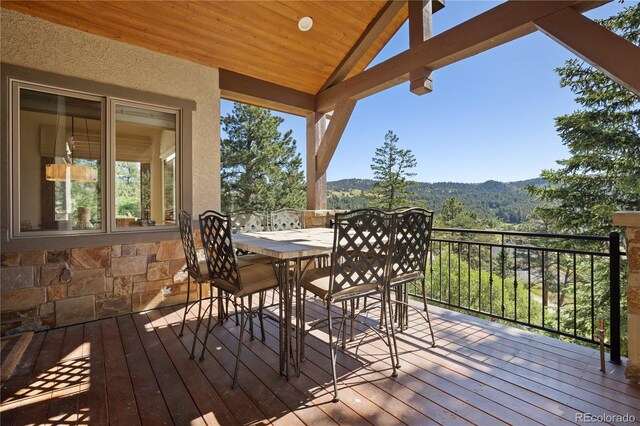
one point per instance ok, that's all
(54, 288)
(631, 220)
(44, 289)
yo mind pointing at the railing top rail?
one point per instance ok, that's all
(524, 234)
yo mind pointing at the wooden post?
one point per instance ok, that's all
(420, 29)
(316, 183)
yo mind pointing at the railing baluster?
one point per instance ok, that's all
(537, 259)
(558, 287)
(529, 285)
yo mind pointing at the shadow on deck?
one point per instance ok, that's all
(134, 369)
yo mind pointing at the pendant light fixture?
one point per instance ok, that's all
(68, 170)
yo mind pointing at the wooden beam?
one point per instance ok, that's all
(316, 183)
(497, 26)
(616, 57)
(366, 40)
(420, 29)
(242, 88)
(332, 135)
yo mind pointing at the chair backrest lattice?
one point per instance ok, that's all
(221, 259)
(250, 221)
(361, 249)
(412, 238)
(284, 219)
(188, 244)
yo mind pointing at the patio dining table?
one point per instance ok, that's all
(289, 250)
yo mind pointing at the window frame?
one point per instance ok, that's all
(48, 240)
(111, 147)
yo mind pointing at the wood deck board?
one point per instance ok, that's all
(479, 372)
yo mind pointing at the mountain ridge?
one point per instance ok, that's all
(492, 199)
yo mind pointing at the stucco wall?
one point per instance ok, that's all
(35, 43)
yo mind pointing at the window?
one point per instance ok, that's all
(59, 150)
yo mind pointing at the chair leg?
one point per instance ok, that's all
(198, 322)
(353, 318)
(332, 352)
(206, 337)
(186, 305)
(344, 325)
(240, 344)
(261, 298)
(426, 311)
(391, 339)
(250, 314)
(304, 323)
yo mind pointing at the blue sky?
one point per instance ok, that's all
(490, 116)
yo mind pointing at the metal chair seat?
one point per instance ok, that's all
(317, 281)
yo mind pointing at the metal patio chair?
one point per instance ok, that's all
(412, 239)
(283, 219)
(359, 267)
(194, 268)
(232, 282)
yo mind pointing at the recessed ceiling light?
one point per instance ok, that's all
(305, 23)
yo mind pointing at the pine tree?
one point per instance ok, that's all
(603, 173)
(391, 167)
(261, 169)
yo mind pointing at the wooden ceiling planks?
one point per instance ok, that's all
(258, 38)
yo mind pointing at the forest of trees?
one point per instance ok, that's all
(502, 201)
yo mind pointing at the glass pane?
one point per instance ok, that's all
(145, 167)
(60, 162)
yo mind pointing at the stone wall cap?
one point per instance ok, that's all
(627, 218)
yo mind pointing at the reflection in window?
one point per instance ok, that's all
(60, 162)
(145, 167)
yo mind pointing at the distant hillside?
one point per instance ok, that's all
(506, 201)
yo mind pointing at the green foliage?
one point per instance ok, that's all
(128, 181)
(391, 169)
(603, 173)
(490, 201)
(261, 169)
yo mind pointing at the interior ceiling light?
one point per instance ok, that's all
(305, 23)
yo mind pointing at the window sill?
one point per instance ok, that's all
(59, 242)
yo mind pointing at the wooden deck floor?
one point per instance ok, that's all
(134, 369)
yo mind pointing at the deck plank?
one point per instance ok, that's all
(151, 404)
(120, 397)
(92, 400)
(181, 406)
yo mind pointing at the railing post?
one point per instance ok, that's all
(614, 294)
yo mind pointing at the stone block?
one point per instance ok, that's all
(169, 250)
(153, 285)
(633, 299)
(132, 265)
(128, 250)
(51, 273)
(116, 251)
(176, 266)
(633, 257)
(90, 281)
(32, 258)
(113, 306)
(47, 309)
(57, 256)
(145, 249)
(158, 271)
(122, 286)
(57, 292)
(14, 300)
(10, 259)
(178, 299)
(75, 310)
(140, 278)
(138, 287)
(173, 290)
(145, 301)
(14, 278)
(90, 258)
(20, 314)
